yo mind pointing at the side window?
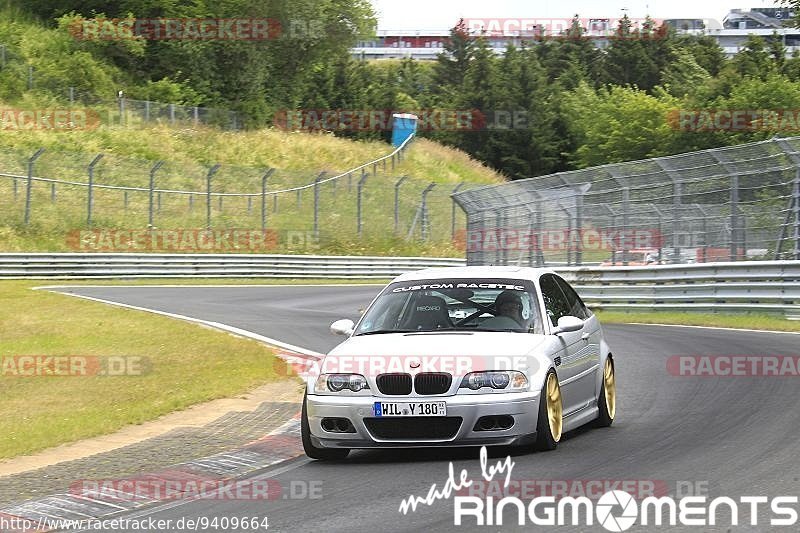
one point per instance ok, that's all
(576, 305)
(554, 302)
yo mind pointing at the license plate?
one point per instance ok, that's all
(382, 409)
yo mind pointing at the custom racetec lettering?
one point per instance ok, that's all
(490, 286)
(464, 285)
(424, 287)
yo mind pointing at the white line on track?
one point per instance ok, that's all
(217, 325)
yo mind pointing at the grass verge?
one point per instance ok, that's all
(183, 363)
(744, 321)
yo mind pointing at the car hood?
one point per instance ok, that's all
(451, 343)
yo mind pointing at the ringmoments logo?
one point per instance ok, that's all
(614, 510)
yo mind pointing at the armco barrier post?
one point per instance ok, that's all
(213, 170)
(397, 185)
(264, 179)
(90, 191)
(151, 191)
(359, 189)
(29, 186)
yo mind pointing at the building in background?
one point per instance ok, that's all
(731, 34)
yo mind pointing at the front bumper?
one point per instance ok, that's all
(522, 406)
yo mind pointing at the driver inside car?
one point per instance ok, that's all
(508, 303)
(508, 307)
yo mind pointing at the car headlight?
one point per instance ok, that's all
(340, 382)
(507, 379)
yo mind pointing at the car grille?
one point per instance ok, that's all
(432, 383)
(394, 384)
(414, 427)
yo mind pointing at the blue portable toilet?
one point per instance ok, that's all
(403, 126)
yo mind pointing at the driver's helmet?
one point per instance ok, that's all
(505, 300)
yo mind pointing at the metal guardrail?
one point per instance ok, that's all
(762, 286)
(100, 266)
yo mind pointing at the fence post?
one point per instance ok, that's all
(734, 219)
(626, 206)
(121, 99)
(53, 192)
(213, 170)
(677, 193)
(172, 113)
(196, 116)
(191, 203)
(147, 110)
(30, 77)
(453, 211)
(152, 187)
(579, 226)
(220, 202)
(90, 192)
(299, 201)
(71, 95)
(316, 203)
(31, 161)
(125, 200)
(360, 187)
(264, 197)
(424, 211)
(796, 208)
(397, 203)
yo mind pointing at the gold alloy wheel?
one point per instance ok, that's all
(610, 388)
(554, 409)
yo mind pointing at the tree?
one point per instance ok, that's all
(619, 124)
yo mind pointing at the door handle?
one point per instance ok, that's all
(585, 336)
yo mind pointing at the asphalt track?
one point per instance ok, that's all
(737, 436)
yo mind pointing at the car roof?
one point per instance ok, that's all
(475, 272)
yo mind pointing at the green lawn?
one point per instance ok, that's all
(183, 364)
(740, 321)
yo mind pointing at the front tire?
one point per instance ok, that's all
(607, 402)
(321, 454)
(550, 420)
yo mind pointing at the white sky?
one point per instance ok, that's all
(443, 14)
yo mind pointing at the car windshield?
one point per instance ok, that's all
(454, 305)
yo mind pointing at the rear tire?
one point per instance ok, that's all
(550, 420)
(321, 454)
(607, 402)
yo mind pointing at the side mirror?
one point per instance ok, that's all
(567, 324)
(343, 327)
